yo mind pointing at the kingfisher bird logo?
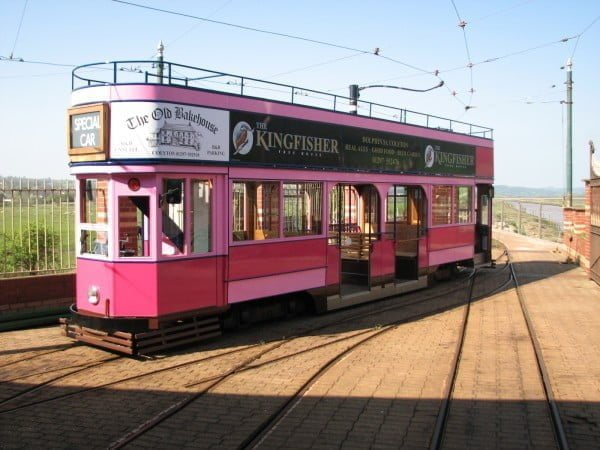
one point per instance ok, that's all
(243, 138)
(429, 156)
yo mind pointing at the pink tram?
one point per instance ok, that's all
(207, 199)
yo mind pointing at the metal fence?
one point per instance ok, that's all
(540, 218)
(37, 226)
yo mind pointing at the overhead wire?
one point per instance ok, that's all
(241, 27)
(46, 63)
(19, 29)
(375, 52)
(312, 66)
(189, 30)
(582, 33)
(462, 25)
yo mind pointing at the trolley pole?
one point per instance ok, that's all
(354, 94)
(569, 83)
(160, 59)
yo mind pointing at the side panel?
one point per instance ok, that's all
(267, 286)
(266, 258)
(450, 237)
(135, 290)
(94, 273)
(423, 252)
(382, 258)
(189, 284)
(484, 162)
(333, 265)
(449, 244)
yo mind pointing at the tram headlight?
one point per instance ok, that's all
(94, 295)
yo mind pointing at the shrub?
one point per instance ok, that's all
(29, 250)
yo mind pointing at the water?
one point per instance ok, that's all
(552, 213)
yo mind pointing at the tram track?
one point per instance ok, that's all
(358, 315)
(213, 382)
(62, 348)
(249, 363)
(437, 438)
(560, 435)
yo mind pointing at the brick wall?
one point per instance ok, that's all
(577, 228)
(38, 292)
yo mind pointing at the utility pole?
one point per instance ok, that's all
(160, 59)
(569, 83)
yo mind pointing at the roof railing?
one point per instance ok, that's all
(172, 74)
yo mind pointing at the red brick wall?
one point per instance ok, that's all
(577, 228)
(38, 292)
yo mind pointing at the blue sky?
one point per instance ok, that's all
(517, 94)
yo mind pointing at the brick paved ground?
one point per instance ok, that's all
(384, 394)
(565, 310)
(498, 399)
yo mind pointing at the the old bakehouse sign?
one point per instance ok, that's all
(159, 130)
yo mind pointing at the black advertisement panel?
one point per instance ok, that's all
(283, 141)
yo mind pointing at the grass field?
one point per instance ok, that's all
(36, 238)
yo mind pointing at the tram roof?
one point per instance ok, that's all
(179, 75)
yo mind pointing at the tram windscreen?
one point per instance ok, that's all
(133, 226)
(93, 217)
(172, 203)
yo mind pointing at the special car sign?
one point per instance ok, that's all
(87, 133)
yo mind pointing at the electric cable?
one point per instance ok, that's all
(19, 29)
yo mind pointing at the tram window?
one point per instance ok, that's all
(441, 205)
(302, 209)
(201, 223)
(172, 207)
(133, 226)
(255, 210)
(93, 242)
(397, 205)
(94, 201)
(93, 217)
(485, 209)
(462, 204)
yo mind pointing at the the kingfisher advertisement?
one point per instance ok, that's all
(273, 140)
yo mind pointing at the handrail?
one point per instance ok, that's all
(145, 71)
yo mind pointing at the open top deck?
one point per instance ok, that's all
(172, 74)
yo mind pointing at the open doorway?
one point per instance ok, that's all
(483, 237)
(406, 224)
(354, 224)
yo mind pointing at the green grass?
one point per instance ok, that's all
(54, 219)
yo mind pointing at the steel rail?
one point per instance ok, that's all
(560, 435)
(442, 418)
(255, 439)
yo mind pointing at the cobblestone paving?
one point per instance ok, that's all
(498, 399)
(384, 394)
(565, 311)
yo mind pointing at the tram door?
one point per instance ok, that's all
(406, 226)
(354, 225)
(483, 238)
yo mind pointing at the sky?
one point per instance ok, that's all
(502, 69)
